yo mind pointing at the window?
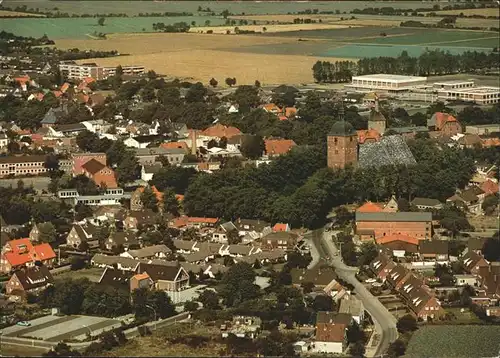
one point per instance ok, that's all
(336, 140)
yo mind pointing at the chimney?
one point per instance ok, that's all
(193, 142)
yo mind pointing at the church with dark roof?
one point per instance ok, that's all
(344, 148)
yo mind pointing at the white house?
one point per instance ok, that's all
(331, 332)
(4, 140)
(148, 171)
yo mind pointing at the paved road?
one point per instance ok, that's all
(385, 322)
(314, 251)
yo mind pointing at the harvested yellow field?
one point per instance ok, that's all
(468, 12)
(4, 13)
(201, 56)
(268, 28)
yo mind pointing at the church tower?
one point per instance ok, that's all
(342, 143)
(377, 120)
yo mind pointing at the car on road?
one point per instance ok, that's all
(23, 323)
(370, 280)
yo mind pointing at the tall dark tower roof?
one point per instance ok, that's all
(343, 129)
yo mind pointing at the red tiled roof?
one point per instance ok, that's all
(44, 252)
(290, 111)
(489, 187)
(20, 246)
(278, 146)
(202, 220)
(64, 87)
(280, 227)
(93, 166)
(271, 107)
(175, 145)
(330, 332)
(369, 207)
(106, 179)
(179, 197)
(443, 118)
(397, 237)
(491, 142)
(220, 131)
(57, 94)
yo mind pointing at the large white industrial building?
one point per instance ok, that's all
(386, 83)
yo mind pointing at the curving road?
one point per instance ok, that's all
(385, 322)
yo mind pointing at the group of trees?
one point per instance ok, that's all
(431, 62)
(175, 27)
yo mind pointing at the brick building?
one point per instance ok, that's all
(28, 280)
(80, 159)
(21, 252)
(25, 165)
(413, 224)
(342, 142)
(445, 124)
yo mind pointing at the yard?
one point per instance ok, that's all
(454, 341)
(93, 274)
(161, 343)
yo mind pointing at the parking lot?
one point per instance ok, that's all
(59, 328)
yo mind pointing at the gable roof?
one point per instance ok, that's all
(280, 227)
(425, 202)
(440, 119)
(369, 207)
(319, 276)
(220, 131)
(490, 187)
(438, 247)
(175, 145)
(397, 237)
(278, 146)
(149, 251)
(159, 272)
(34, 277)
(115, 278)
(389, 150)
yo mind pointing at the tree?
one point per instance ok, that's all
(230, 81)
(176, 178)
(357, 349)
(307, 287)
(491, 248)
(47, 232)
(149, 200)
(69, 295)
(253, 146)
(407, 323)
(396, 349)
(191, 306)
(106, 301)
(213, 82)
(257, 83)
(323, 303)
(239, 284)
(368, 253)
(62, 350)
(209, 299)
(100, 21)
(77, 263)
(82, 211)
(128, 169)
(162, 303)
(51, 163)
(196, 93)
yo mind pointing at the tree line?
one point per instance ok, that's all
(431, 62)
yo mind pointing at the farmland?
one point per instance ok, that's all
(454, 341)
(469, 12)
(4, 13)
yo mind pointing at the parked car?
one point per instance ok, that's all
(23, 323)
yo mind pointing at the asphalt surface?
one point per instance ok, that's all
(385, 322)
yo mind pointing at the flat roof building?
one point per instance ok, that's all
(478, 95)
(454, 84)
(72, 70)
(386, 82)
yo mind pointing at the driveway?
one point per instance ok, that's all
(385, 322)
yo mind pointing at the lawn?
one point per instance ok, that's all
(93, 274)
(454, 342)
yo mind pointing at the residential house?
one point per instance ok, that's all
(150, 156)
(286, 241)
(97, 125)
(141, 280)
(489, 187)
(224, 231)
(399, 245)
(473, 262)
(469, 141)
(277, 147)
(272, 108)
(466, 280)
(242, 327)
(119, 262)
(101, 174)
(370, 207)
(166, 278)
(148, 171)
(435, 250)
(186, 222)
(34, 234)
(4, 140)
(281, 227)
(120, 239)
(476, 244)
(331, 332)
(427, 204)
(176, 145)
(118, 279)
(28, 280)
(149, 252)
(242, 250)
(143, 218)
(368, 136)
(397, 275)
(382, 266)
(219, 131)
(251, 230)
(353, 306)
(184, 246)
(53, 116)
(142, 141)
(470, 199)
(321, 276)
(135, 199)
(417, 225)
(80, 233)
(445, 124)
(70, 130)
(21, 252)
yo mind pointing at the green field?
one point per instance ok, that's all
(235, 7)
(454, 342)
